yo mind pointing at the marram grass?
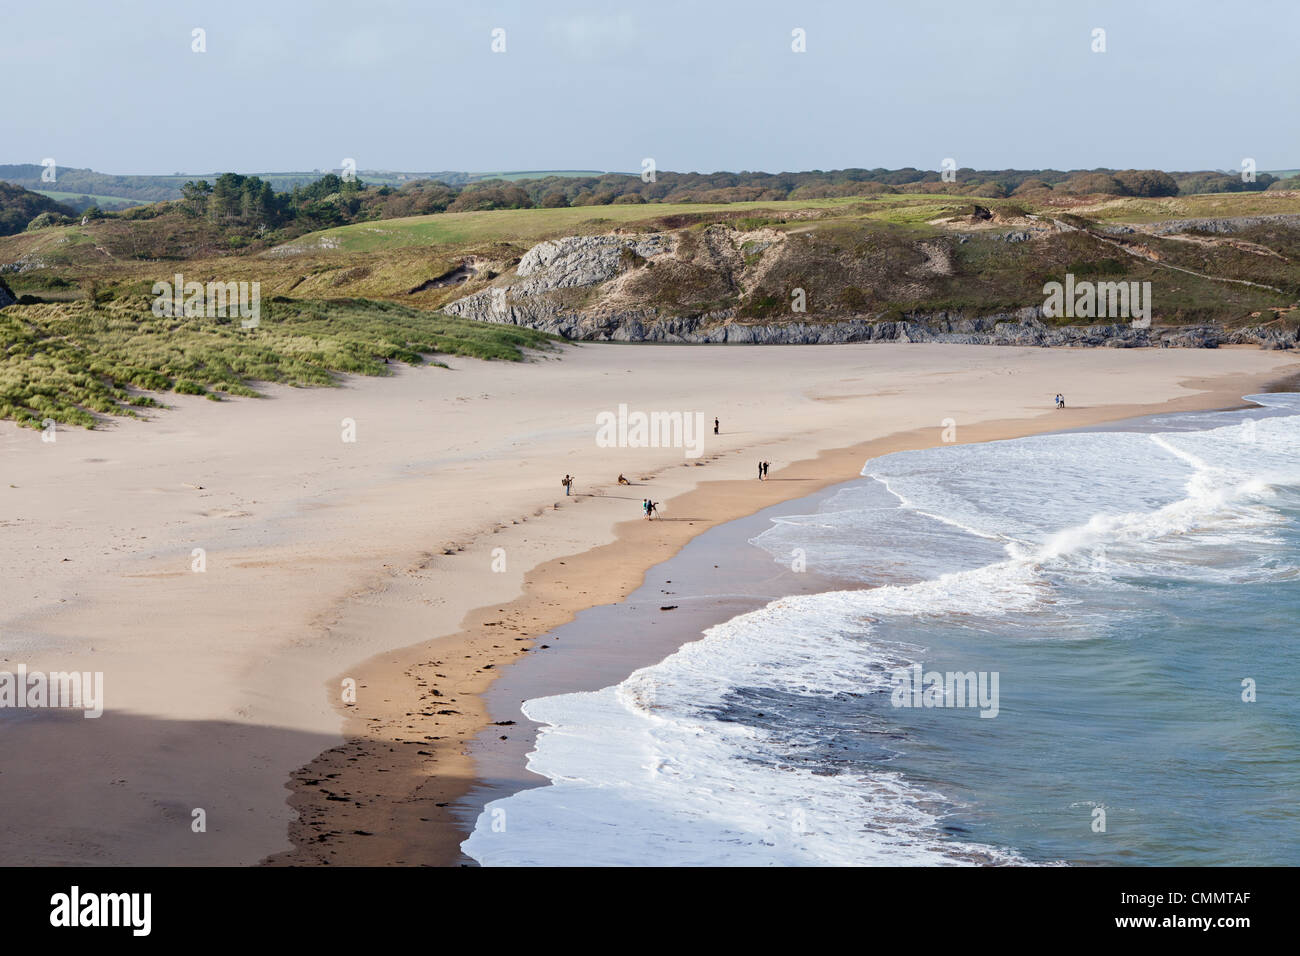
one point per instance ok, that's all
(72, 362)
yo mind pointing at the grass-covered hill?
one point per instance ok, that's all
(855, 253)
(83, 343)
(211, 215)
(19, 206)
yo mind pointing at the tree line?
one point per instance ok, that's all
(247, 208)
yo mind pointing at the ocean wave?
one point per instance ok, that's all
(712, 756)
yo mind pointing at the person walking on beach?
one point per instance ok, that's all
(715, 426)
(654, 510)
(645, 508)
(567, 481)
(764, 467)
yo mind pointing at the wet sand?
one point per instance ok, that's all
(417, 562)
(486, 739)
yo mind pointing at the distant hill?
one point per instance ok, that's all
(82, 187)
(87, 181)
(540, 174)
(232, 212)
(20, 206)
(103, 188)
(79, 202)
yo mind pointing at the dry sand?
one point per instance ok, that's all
(374, 561)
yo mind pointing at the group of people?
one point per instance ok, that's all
(1060, 400)
(649, 508)
(762, 469)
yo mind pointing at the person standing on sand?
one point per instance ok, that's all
(654, 510)
(715, 426)
(766, 465)
(760, 471)
(568, 485)
(645, 508)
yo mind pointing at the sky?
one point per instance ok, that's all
(702, 86)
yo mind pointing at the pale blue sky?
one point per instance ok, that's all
(401, 84)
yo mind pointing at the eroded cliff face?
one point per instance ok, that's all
(701, 286)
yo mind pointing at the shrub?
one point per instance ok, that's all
(1089, 183)
(47, 219)
(1146, 182)
(853, 299)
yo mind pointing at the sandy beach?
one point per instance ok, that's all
(234, 568)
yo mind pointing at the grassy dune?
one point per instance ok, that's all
(73, 361)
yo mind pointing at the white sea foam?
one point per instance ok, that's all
(658, 770)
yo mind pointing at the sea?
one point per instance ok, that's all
(1078, 648)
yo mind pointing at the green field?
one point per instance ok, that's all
(58, 196)
(542, 174)
(535, 224)
(1200, 206)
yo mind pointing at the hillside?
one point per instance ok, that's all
(853, 256)
(851, 274)
(108, 189)
(19, 206)
(82, 342)
(74, 181)
(592, 187)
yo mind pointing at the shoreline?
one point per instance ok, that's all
(325, 558)
(423, 750)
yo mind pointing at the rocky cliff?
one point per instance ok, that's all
(596, 288)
